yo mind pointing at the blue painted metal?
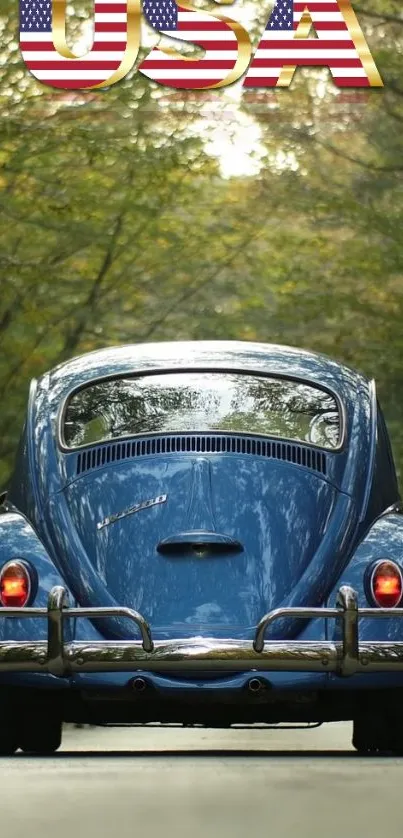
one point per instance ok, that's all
(19, 540)
(299, 531)
(270, 505)
(384, 540)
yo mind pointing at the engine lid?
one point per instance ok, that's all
(200, 544)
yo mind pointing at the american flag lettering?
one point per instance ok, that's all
(339, 45)
(215, 36)
(286, 43)
(52, 68)
(161, 14)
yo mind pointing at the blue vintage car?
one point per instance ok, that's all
(203, 533)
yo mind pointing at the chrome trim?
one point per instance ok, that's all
(58, 600)
(62, 658)
(347, 602)
(137, 507)
(373, 447)
(31, 437)
(395, 509)
(303, 613)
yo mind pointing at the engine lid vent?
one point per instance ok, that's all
(114, 452)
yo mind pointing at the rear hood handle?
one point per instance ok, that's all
(199, 542)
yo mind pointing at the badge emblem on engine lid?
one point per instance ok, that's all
(145, 504)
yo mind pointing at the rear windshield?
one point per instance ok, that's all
(201, 401)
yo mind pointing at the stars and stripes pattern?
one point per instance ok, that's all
(333, 47)
(51, 68)
(213, 35)
(161, 14)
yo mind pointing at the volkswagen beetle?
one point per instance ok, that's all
(201, 533)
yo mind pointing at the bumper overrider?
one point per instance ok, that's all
(57, 656)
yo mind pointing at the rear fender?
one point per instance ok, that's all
(18, 540)
(383, 541)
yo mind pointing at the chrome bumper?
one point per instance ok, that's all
(346, 656)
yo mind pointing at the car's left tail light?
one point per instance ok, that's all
(15, 584)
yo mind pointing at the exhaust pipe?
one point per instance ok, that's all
(139, 685)
(255, 685)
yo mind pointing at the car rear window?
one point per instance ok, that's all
(201, 401)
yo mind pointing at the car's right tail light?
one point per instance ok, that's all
(386, 584)
(15, 584)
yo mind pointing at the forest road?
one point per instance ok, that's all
(192, 783)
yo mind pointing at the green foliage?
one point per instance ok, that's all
(346, 214)
(116, 226)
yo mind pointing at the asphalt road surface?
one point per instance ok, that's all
(149, 782)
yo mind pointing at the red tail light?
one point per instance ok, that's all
(387, 584)
(15, 585)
